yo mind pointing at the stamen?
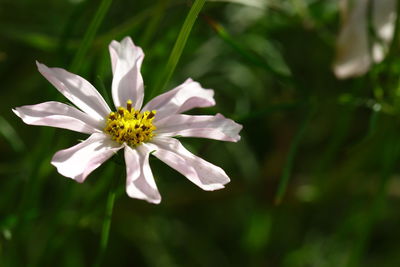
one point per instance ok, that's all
(130, 126)
(151, 115)
(129, 105)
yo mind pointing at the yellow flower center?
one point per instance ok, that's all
(130, 126)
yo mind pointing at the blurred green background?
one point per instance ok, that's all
(315, 178)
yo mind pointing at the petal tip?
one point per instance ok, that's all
(40, 65)
(78, 179)
(15, 111)
(155, 201)
(43, 69)
(18, 112)
(151, 199)
(214, 187)
(127, 39)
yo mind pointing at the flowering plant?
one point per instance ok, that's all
(138, 130)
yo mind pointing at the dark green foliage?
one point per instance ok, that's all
(315, 178)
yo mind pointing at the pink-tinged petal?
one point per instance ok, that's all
(202, 173)
(79, 161)
(213, 127)
(76, 89)
(383, 21)
(352, 55)
(126, 60)
(186, 96)
(56, 114)
(140, 182)
(113, 49)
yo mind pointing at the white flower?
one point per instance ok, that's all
(356, 51)
(137, 129)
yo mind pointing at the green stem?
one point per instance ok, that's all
(105, 232)
(178, 47)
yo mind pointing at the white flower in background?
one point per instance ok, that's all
(356, 49)
(139, 130)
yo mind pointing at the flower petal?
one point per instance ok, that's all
(140, 182)
(213, 127)
(352, 56)
(126, 60)
(383, 20)
(186, 96)
(79, 161)
(202, 173)
(76, 89)
(56, 114)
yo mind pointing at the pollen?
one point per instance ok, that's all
(130, 126)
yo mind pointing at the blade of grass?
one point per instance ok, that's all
(34, 39)
(11, 135)
(292, 154)
(341, 131)
(90, 205)
(103, 91)
(373, 121)
(128, 26)
(178, 48)
(257, 114)
(390, 157)
(153, 23)
(105, 232)
(46, 136)
(248, 56)
(90, 34)
(261, 4)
